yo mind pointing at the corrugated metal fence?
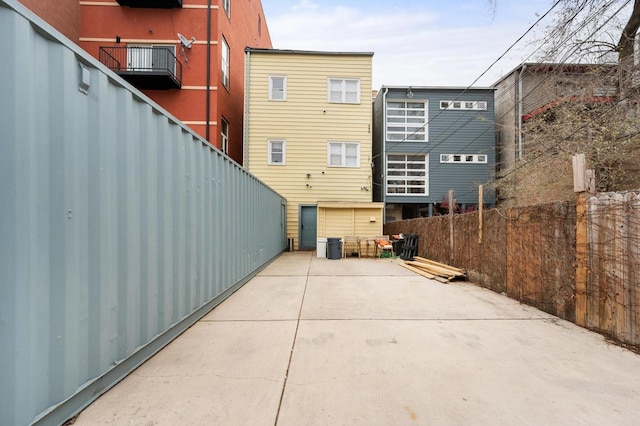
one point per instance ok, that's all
(119, 227)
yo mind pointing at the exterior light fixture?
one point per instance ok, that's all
(409, 93)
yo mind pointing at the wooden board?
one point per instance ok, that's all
(441, 265)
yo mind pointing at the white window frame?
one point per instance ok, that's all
(463, 105)
(463, 158)
(225, 54)
(401, 126)
(343, 154)
(399, 177)
(343, 82)
(272, 78)
(224, 135)
(270, 152)
(226, 5)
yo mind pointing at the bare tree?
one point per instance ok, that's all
(591, 110)
(626, 49)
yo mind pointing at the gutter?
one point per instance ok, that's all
(520, 112)
(384, 154)
(245, 131)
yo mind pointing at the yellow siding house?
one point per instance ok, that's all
(308, 136)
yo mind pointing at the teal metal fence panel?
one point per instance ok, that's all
(119, 227)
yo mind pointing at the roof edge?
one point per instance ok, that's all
(467, 88)
(304, 52)
(534, 65)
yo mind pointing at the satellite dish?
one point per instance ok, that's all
(185, 42)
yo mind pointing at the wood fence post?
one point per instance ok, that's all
(480, 205)
(451, 245)
(581, 260)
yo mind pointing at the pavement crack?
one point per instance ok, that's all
(293, 345)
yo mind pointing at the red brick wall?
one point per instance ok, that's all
(100, 24)
(63, 15)
(241, 30)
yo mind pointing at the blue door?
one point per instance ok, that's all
(307, 231)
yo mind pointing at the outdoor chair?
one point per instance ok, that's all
(383, 244)
(350, 245)
(368, 247)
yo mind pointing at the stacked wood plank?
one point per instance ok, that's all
(434, 270)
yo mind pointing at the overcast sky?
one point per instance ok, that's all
(415, 42)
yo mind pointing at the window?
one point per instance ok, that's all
(406, 174)
(226, 5)
(224, 135)
(277, 88)
(225, 63)
(463, 158)
(407, 121)
(276, 152)
(343, 154)
(463, 105)
(345, 91)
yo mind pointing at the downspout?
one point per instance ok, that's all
(384, 154)
(245, 135)
(208, 93)
(520, 112)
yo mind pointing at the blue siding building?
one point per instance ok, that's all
(429, 140)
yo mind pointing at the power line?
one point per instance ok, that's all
(432, 146)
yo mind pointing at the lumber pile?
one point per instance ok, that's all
(434, 270)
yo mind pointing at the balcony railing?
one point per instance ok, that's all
(145, 67)
(158, 4)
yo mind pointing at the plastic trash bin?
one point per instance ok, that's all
(334, 249)
(321, 247)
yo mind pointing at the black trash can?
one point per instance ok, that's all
(397, 246)
(334, 248)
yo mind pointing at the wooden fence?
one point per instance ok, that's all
(530, 254)
(612, 297)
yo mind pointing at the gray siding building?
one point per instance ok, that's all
(532, 89)
(429, 140)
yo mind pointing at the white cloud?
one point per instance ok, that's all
(305, 5)
(410, 48)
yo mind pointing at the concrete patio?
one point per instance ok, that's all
(314, 341)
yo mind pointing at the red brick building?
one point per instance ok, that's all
(199, 77)
(63, 15)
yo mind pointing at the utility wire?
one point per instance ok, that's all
(604, 7)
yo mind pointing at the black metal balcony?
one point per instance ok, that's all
(145, 67)
(158, 4)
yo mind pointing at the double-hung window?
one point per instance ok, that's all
(407, 174)
(225, 63)
(224, 135)
(277, 88)
(344, 90)
(277, 153)
(343, 154)
(407, 121)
